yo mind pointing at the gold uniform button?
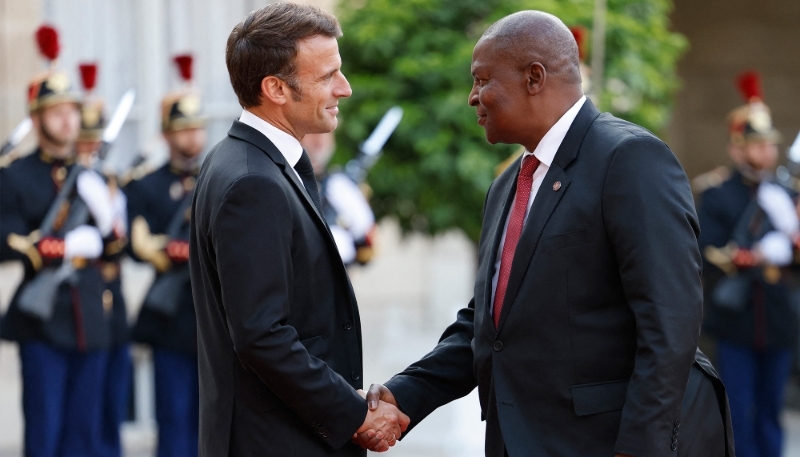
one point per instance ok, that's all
(108, 300)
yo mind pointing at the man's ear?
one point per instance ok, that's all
(535, 78)
(274, 90)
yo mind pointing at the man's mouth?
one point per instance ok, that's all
(333, 109)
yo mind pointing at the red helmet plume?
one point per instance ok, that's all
(88, 75)
(47, 39)
(184, 62)
(749, 84)
(580, 33)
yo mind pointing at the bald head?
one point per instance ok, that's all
(535, 36)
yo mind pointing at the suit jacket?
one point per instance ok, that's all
(279, 336)
(599, 327)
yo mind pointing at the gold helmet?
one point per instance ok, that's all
(181, 109)
(752, 121)
(52, 86)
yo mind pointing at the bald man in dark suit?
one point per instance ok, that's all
(582, 333)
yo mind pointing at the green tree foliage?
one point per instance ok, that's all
(437, 167)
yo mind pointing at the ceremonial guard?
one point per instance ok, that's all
(344, 204)
(118, 372)
(749, 230)
(58, 219)
(159, 209)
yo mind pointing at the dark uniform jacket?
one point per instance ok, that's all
(598, 332)
(120, 329)
(768, 320)
(156, 200)
(79, 320)
(278, 325)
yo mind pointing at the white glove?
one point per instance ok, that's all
(120, 202)
(94, 191)
(84, 241)
(345, 243)
(775, 201)
(776, 247)
(350, 205)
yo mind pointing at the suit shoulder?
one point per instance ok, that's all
(622, 131)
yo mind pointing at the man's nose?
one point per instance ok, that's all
(343, 90)
(472, 100)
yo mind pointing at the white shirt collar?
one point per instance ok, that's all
(287, 144)
(548, 146)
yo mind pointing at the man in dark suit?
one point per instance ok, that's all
(279, 340)
(582, 333)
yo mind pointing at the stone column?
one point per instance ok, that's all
(19, 59)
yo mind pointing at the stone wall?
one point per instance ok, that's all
(727, 37)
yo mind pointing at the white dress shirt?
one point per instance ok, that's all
(288, 145)
(545, 152)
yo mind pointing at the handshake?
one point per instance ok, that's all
(384, 422)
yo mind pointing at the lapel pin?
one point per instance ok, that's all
(556, 185)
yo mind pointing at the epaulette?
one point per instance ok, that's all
(710, 179)
(135, 174)
(12, 157)
(7, 160)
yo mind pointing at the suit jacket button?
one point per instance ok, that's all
(677, 423)
(498, 346)
(674, 446)
(347, 325)
(675, 431)
(355, 375)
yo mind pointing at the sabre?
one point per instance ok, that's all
(370, 150)
(794, 150)
(16, 136)
(111, 132)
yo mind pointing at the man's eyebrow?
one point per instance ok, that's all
(328, 73)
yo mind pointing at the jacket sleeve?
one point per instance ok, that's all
(651, 222)
(13, 224)
(252, 239)
(443, 375)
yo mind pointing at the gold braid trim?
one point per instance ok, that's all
(27, 245)
(722, 258)
(149, 247)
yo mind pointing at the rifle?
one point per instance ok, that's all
(39, 295)
(370, 150)
(165, 293)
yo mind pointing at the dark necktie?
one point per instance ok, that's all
(306, 172)
(514, 232)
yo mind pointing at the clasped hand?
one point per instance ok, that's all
(384, 422)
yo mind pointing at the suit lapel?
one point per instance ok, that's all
(244, 132)
(545, 202)
(301, 189)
